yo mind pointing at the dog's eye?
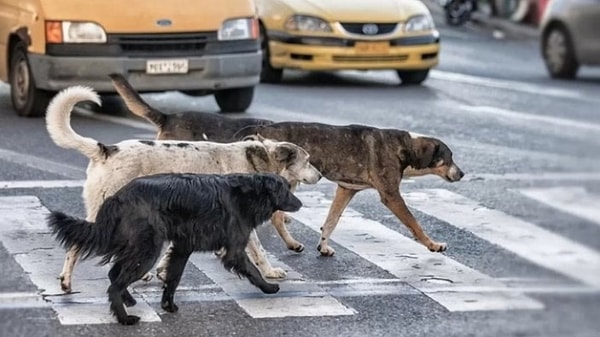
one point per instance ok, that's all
(439, 163)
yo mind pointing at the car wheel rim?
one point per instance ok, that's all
(21, 84)
(556, 50)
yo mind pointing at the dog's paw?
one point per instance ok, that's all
(221, 252)
(65, 284)
(147, 277)
(169, 306)
(296, 246)
(270, 288)
(275, 273)
(438, 247)
(326, 251)
(130, 320)
(287, 219)
(161, 273)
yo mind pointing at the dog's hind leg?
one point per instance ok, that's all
(257, 254)
(342, 199)
(126, 296)
(120, 279)
(176, 264)
(67, 271)
(237, 261)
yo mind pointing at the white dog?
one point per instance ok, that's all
(112, 166)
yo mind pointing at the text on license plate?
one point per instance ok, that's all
(173, 66)
(371, 47)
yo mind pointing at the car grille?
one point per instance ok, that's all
(357, 28)
(166, 43)
(369, 58)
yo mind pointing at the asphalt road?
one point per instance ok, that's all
(522, 226)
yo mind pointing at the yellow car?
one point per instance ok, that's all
(317, 35)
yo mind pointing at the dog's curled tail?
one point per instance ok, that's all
(135, 103)
(88, 238)
(58, 120)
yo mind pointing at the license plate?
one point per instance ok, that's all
(372, 47)
(174, 66)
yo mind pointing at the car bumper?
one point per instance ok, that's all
(205, 73)
(410, 53)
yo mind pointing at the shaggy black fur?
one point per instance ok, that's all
(197, 212)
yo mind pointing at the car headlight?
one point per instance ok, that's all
(304, 23)
(419, 23)
(239, 29)
(74, 32)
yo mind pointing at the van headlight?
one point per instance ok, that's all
(305, 23)
(419, 23)
(239, 29)
(74, 32)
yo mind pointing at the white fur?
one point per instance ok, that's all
(131, 159)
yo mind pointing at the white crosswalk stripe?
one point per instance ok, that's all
(574, 200)
(527, 240)
(454, 286)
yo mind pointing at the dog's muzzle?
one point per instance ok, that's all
(454, 173)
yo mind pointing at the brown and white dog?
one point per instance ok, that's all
(112, 166)
(355, 157)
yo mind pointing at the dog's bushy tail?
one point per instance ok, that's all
(58, 121)
(87, 237)
(135, 103)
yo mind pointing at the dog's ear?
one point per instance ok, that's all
(425, 150)
(256, 137)
(286, 152)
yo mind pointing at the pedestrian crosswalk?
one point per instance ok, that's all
(453, 285)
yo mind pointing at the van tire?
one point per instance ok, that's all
(234, 100)
(27, 100)
(412, 77)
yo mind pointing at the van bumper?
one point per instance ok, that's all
(209, 72)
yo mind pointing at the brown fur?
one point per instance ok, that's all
(356, 157)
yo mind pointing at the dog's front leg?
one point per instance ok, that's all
(393, 200)
(258, 256)
(67, 271)
(340, 202)
(279, 220)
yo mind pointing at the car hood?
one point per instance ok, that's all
(359, 10)
(142, 15)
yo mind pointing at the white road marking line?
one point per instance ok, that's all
(40, 184)
(552, 176)
(65, 170)
(559, 124)
(530, 88)
(410, 261)
(574, 200)
(24, 234)
(527, 240)
(308, 298)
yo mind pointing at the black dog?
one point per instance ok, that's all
(196, 212)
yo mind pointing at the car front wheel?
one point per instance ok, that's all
(27, 100)
(234, 100)
(559, 54)
(412, 77)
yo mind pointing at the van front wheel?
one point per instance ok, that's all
(234, 100)
(27, 100)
